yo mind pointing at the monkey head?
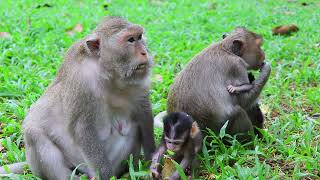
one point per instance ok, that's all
(178, 128)
(121, 49)
(247, 45)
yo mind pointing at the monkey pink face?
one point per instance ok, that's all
(136, 59)
(174, 144)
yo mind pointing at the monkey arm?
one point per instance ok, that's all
(159, 154)
(143, 115)
(240, 88)
(247, 98)
(156, 158)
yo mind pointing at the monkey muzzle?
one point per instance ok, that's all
(141, 68)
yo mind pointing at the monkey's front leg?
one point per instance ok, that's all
(86, 136)
(155, 165)
(143, 115)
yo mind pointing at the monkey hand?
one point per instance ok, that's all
(174, 177)
(154, 173)
(265, 66)
(232, 89)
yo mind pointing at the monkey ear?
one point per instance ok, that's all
(237, 47)
(194, 129)
(93, 44)
(259, 41)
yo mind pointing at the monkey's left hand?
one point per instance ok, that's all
(238, 89)
(233, 89)
(154, 171)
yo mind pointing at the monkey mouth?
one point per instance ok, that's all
(141, 68)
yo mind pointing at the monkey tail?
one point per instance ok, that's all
(158, 119)
(16, 168)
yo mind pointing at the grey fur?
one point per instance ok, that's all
(201, 90)
(90, 113)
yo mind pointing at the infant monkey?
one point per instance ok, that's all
(243, 87)
(183, 137)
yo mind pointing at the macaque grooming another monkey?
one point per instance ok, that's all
(97, 110)
(214, 87)
(183, 137)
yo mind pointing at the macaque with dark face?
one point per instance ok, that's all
(182, 136)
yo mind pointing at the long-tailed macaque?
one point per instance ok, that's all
(97, 110)
(214, 87)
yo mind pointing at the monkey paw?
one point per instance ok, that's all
(154, 172)
(232, 89)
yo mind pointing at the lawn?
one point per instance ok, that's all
(38, 34)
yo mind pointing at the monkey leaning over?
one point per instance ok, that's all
(214, 87)
(97, 110)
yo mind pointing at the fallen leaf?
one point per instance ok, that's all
(5, 35)
(77, 28)
(168, 167)
(264, 108)
(285, 29)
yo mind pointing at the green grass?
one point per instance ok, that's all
(176, 31)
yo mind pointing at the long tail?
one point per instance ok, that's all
(158, 119)
(16, 168)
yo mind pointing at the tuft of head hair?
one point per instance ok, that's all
(111, 25)
(181, 122)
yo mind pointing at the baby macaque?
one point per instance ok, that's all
(181, 136)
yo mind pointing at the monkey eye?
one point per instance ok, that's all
(140, 37)
(131, 40)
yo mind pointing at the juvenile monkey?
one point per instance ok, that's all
(202, 89)
(97, 110)
(254, 112)
(182, 136)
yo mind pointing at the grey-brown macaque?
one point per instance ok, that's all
(97, 110)
(214, 87)
(183, 137)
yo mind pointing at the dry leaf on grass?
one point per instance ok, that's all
(5, 35)
(77, 28)
(168, 167)
(285, 29)
(265, 109)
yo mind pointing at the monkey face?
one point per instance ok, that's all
(177, 127)
(247, 45)
(253, 54)
(175, 144)
(135, 61)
